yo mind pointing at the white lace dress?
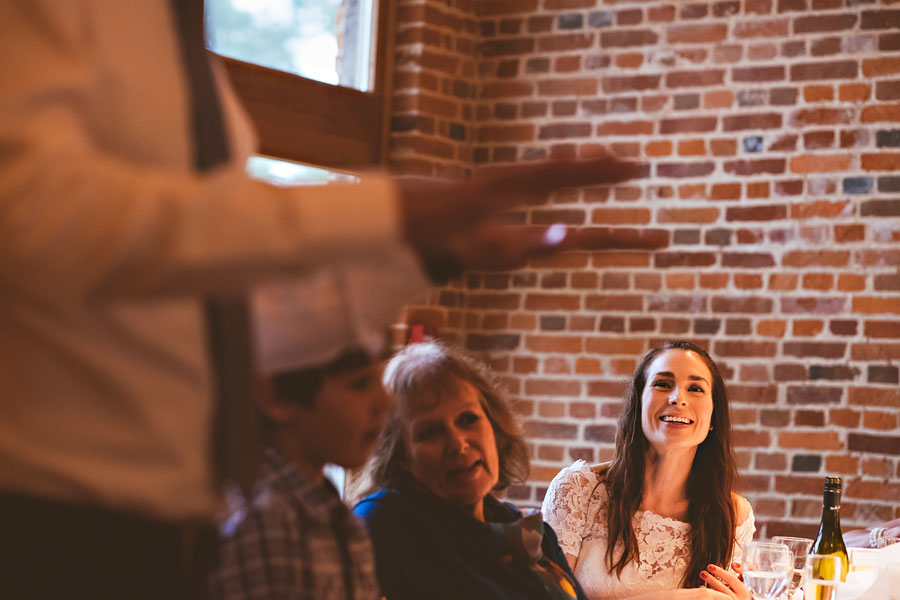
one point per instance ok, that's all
(575, 506)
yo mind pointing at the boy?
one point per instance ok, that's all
(322, 401)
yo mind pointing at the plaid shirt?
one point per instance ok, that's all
(295, 541)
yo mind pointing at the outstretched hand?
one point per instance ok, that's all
(454, 218)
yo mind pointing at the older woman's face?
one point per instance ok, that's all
(452, 450)
(677, 403)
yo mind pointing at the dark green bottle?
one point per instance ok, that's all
(829, 540)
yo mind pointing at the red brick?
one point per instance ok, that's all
(753, 394)
(625, 128)
(688, 125)
(631, 60)
(552, 302)
(613, 85)
(883, 112)
(561, 344)
(658, 148)
(881, 66)
(821, 163)
(680, 281)
(749, 438)
(819, 23)
(747, 260)
(567, 64)
(752, 304)
(614, 346)
(822, 116)
(627, 38)
(588, 366)
(619, 216)
(492, 8)
(847, 69)
(875, 490)
(760, 52)
(565, 41)
(692, 191)
(608, 302)
(770, 212)
(826, 440)
(552, 387)
(870, 305)
(774, 166)
(506, 47)
(818, 93)
(807, 328)
(723, 147)
(878, 258)
(744, 348)
(504, 89)
(877, 467)
(751, 121)
(695, 147)
(697, 34)
(878, 420)
(702, 78)
(782, 281)
(718, 99)
(684, 259)
(873, 396)
(621, 259)
(855, 92)
(757, 74)
(687, 215)
(761, 28)
(882, 329)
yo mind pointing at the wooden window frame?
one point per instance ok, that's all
(320, 124)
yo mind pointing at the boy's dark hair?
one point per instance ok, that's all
(300, 386)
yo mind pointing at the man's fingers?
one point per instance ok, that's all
(496, 246)
(544, 177)
(433, 211)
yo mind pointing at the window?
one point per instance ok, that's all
(281, 172)
(325, 40)
(311, 73)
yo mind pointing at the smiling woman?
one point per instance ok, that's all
(451, 439)
(676, 516)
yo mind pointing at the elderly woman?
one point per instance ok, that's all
(451, 440)
(676, 522)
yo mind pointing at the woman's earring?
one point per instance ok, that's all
(711, 427)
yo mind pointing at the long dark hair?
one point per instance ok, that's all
(711, 510)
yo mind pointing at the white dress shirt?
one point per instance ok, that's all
(109, 240)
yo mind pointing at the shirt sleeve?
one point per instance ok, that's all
(744, 532)
(82, 219)
(396, 567)
(566, 503)
(261, 560)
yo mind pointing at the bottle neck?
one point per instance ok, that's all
(831, 508)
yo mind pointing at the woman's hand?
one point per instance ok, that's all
(726, 582)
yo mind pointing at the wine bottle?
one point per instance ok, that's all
(829, 540)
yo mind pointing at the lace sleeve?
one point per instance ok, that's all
(744, 532)
(566, 503)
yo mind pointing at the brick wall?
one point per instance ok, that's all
(772, 131)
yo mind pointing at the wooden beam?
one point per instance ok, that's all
(308, 121)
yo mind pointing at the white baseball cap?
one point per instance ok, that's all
(312, 321)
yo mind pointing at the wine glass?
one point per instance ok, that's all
(799, 547)
(823, 574)
(767, 569)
